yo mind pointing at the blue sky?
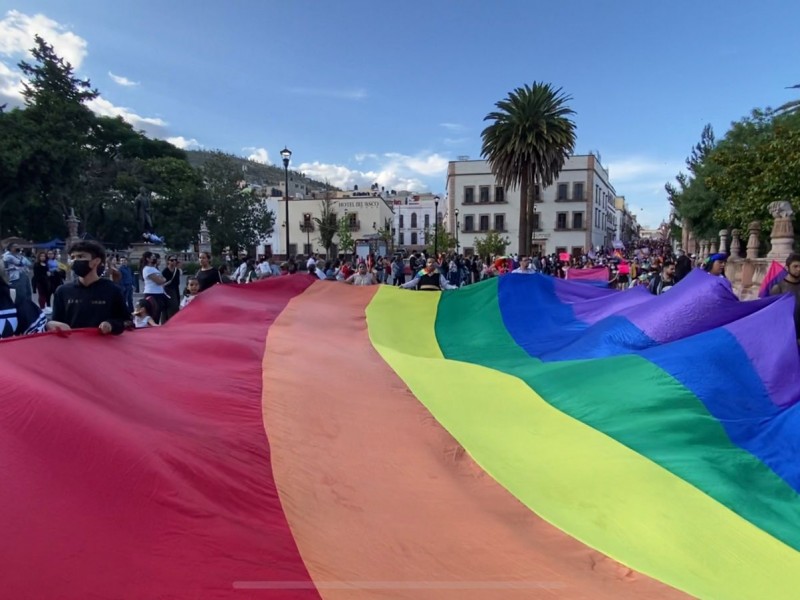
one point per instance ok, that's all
(390, 91)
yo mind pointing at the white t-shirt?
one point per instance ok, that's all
(150, 286)
(311, 261)
(140, 322)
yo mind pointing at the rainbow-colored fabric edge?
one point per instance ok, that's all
(523, 437)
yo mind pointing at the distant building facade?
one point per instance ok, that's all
(576, 214)
(413, 216)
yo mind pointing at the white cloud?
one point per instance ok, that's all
(341, 94)
(10, 86)
(259, 155)
(433, 164)
(454, 127)
(455, 141)
(123, 81)
(393, 171)
(641, 180)
(17, 31)
(346, 178)
(183, 143)
(154, 126)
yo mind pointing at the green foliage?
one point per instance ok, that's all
(530, 137)
(443, 241)
(385, 232)
(346, 242)
(732, 182)
(692, 200)
(327, 224)
(57, 155)
(237, 218)
(180, 202)
(758, 163)
(255, 171)
(492, 244)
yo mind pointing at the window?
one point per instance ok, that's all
(413, 238)
(307, 249)
(561, 220)
(537, 193)
(427, 220)
(536, 221)
(577, 191)
(413, 220)
(562, 191)
(577, 220)
(469, 195)
(577, 250)
(499, 194)
(292, 249)
(308, 224)
(401, 222)
(469, 251)
(402, 239)
(352, 219)
(561, 249)
(484, 191)
(484, 222)
(597, 194)
(499, 222)
(469, 223)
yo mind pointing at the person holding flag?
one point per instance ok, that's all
(790, 284)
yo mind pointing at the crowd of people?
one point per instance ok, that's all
(101, 291)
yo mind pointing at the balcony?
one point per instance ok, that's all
(354, 225)
(306, 226)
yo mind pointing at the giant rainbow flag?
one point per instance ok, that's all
(526, 437)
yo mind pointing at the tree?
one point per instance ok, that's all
(528, 141)
(492, 244)
(327, 224)
(180, 202)
(693, 202)
(237, 218)
(443, 240)
(385, 233)
(757, 163)
(346, 242)
(59, 124)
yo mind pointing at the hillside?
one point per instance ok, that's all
(257, 172)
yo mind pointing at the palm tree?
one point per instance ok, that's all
(529, 140)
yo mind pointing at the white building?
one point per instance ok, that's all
(366, 213)
(573, 215)
(413, 214)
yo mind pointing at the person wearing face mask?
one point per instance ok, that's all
(90, 301)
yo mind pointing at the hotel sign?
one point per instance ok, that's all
(360, 204)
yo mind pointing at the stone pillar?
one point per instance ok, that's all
(205, 239)
(753, 242)
(72, 228)
(703, 249)
(736, 245)
(723, 241)
(712, 248)
(782, 236)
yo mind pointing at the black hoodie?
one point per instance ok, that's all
(80, 306)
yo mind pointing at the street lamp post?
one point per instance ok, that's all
(436, 227)
(286, 155)
(458, 226)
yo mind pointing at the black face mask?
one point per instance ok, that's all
(81, 268)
